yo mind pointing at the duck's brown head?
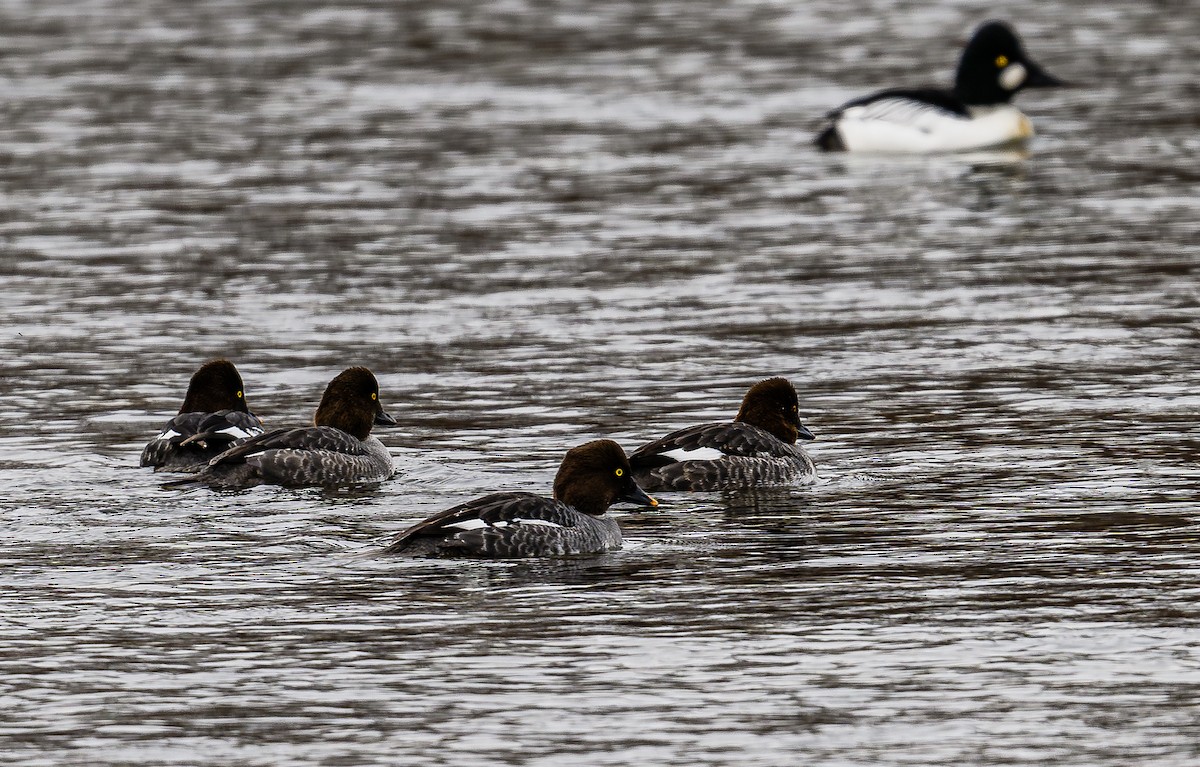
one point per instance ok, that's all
(772, 406)
(596, 475)
(351, 403)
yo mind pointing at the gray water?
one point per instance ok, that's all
(542, 223)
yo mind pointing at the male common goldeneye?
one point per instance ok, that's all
(757, 448)
(591, 478)
(975, 114)
(337, 450)
(214, 415)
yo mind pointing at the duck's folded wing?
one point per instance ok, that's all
(304, 438)
(167, 444)
(225, 427)
(709, 441)
(182, 426)
(903, 105)
(489, 511)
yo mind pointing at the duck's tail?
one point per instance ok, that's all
(830, 141)
(192, 480)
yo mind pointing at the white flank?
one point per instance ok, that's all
(903, 125)
(699, 454)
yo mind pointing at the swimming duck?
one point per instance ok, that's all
(757, 448)
(511, 525)
(975, 114)
(337, 450)
(213, 416)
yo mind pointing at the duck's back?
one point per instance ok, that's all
(509, 526)
(719, 456)
(308, 456)
(190, 440)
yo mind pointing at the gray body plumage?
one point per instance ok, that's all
(752, 458)
(509, 526)
(190, 440)
(308, 456)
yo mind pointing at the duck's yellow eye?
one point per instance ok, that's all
(1002, 61)
(374, 396)
(620, 472)
(239, 395)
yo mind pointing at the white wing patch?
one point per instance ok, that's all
(237, 433)
(699, 454)
(168, 434)
(475, 524)
(468, 524)
(538, 522)
(248, 457)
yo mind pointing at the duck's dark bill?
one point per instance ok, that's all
(637, 495)
(383, 419)
(1039, 78)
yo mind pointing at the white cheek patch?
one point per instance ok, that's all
(1013, 77)
(699, 454)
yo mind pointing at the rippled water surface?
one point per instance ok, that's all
(542, 223)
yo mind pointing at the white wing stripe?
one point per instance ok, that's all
(475, 524)
(699, 454)
(468, 524)
(539, 522)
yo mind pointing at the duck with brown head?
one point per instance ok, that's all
(214, 416)
(758, 448)
(337, 450)
(592, 477)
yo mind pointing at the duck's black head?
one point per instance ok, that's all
(596, 475)
(217, 385)
(772, 406)
(994, 67)
(351, 403)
